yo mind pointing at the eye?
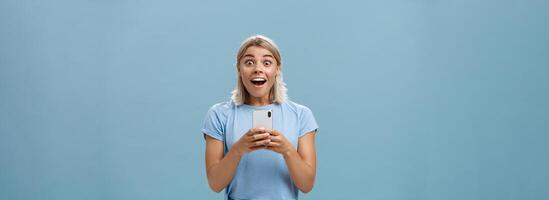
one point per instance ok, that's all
(267, 63)
(249, 62)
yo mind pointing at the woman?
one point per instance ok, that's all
(260, 163)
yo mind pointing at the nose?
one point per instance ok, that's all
(259, 68)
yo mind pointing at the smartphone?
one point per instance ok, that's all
(263, 118)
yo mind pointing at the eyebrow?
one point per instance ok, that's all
(250, 55)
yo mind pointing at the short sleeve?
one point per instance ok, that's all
(214, 123)
(307, 122)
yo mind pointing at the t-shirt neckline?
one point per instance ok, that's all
(259, 107)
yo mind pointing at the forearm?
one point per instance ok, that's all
(220, 174)
(301, 172)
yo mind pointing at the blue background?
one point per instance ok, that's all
(420, 99)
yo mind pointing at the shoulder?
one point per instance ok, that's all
(222, 108)
(296, 107)
(226, 105)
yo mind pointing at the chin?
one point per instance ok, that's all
(256, 95)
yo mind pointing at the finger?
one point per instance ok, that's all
(261, 142)
(276, 139)
(274, 144)
(254, 131)
(250, 138)
(260, 136)
(254, 137)
(256, 144)
(259, 130)
(273, 132)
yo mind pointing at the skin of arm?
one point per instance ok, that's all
(301, 163)
(220, 169)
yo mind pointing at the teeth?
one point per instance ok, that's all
(258, 79)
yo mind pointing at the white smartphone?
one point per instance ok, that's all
(263, 118)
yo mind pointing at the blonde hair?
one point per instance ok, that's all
(278, 92)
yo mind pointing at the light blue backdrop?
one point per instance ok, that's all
(421, 99)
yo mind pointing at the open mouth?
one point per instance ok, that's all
(259, 81)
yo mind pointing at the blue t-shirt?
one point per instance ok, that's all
(261, 174)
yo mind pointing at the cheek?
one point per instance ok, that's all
(242, 73)
(272, 72)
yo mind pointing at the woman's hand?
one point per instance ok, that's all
(254, 139)
(278, 142)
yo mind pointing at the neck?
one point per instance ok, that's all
(259, 101)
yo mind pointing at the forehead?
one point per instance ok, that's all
(257, 51)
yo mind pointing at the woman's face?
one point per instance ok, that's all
(257, 70)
